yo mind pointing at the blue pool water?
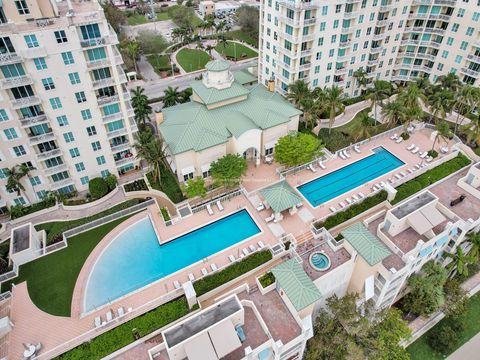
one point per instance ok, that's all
(135, 258)
(349, 177)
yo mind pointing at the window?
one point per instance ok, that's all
(463, 45)
(104, 173)
(461, 13)
(86, 114)
(91, 131)
(20, 201)
(60, 176)
(56, 103)
(455, 27)
(322, 26)
(31, 41)
(450, 41)
(101, 160)
(188, 176)
(470, 31)
(62, 120)
(80, 96)
(444, 54)
(117, 125)
(96, 54)
(91, 31)
(338, 8)
(68, 137)
(115, 108)
(67, 58)
(476, 16)
(440, 66)
(10, 133)
(3, 115)
(48, 83)
(19, 150)
(335, 24)
(320, 41)
(96, 146)
(80, 167)
(40, 63)
(74, 152)
(12, 71)
(74, 78)
(42, 194)
(35, 180)
(84, 180)
(458, 59)
(60, 36)
(324, 10)
(22, 7)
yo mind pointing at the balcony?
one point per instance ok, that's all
(120, 147)
(384, 8)
(350, 15)
(341, 71)
(55, 169)
(291, 22)
(439, 31)
(116, 133)
(344, 44)
(445, 2)
(92, 64)
(474, 58)
(418, 55)
(9, 83)
(381, 23)
(305, 66)
(125, 160)
(103, 82)
(414, 16)
(308, 37)
(48, 154)
(62, 183)
(289, 37)
(347, 30)
(32, 53)
(104, 100)
(306, 52)
(10, 58)
(26, 101)
(443, 17)
(101, 41)
(422, 2)
(471, 72)
(292, 4)
(373, 62)
(376, 50)
(33, 120)
(112, 117)
(379, 36)
(310, 21)
(41, 138)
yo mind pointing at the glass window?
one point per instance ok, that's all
(84, 180)
(80, 96)
(68, 137)
(80, 167)
(19, 151)
(31, 41)
(91, 131)
(56, 103)
(96, 54)
(74, 152)
(12, 70)
(10, 133)
(60, 36)
(22, 7)
(96, 146)
(104, 173)
(67, 58)
(115, 125)
(91, 31)
(3, 115)
(48, 83)
(101, 160)
(74, 78)
(86, 114)
(62, 120)
(470, 31)
(35, 180)
(40, 63)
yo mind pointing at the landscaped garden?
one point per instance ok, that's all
(168, 184)
(235, 51)
(192, 59)
(161, 64)
(134, 18)
(241, 36)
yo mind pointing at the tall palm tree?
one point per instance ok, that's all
(209, 49)
(440, 103)
(466, 100)
(460, 262)
(141, 108)
(151, 149)
(171, 97)
(360, 77)
(381, 90)
(449, 81)
(443, 132)
(133, 50)
(474, 239)
(15, 175)
(394, 113)
(298, 91)
(364, 128)
(472, 130)
(424, 84)
(333, 101)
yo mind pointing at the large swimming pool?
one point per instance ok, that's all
(349, 177)
(135, 258)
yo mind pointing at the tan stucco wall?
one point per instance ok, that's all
(197, 159)
(361, 271)
(38, 9)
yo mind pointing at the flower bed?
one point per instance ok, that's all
(165, 214)
(137, 185)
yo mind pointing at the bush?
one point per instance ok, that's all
(405, 135)
(235, 270)
(354, 100)
(111, 181)
(431, 176)
(267, 279)
(98, 187)
(168, 185)
(352, 211)
(165, 214)
(20, 210)
(444, 337)
(121, 336)
(151, 42)
(334, 140)
(137, 185)
(432, 153)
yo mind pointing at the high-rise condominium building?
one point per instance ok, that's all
(324, 42)
(64, 108)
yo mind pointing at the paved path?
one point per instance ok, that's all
(346, 117)
(147, 71)
(469, 350)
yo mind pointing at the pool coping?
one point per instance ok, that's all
(111, 238)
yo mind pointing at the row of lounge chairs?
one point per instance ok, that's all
(344, 154)
(312, 168)
(423, 155)
(219, 206)
(396, 138)
(110, 316)
(348, 201)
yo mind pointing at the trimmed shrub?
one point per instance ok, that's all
(405, 135)
(354, 100)
(432, 153)
(233, 271)
(165, 214)
(20, 210)
(137, 185)
(98, 187)
(334, 140)
(111, 181)
(267, 279)
(444, 337)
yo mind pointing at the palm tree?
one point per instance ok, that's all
(364, 127)
(360, 76)
(460, 262)
(449, 81)
(472, 130)
(440, 103)
(381, 90)
(424, 84)
(333, 101)
(474, 239)
(15, 175)
(466, 100)
(222, 40)
(443, 132)
(150, 149)
(394, 113)
(171, 97)
(133, 50)
(141, 108)
(298, 91)
(209, 49)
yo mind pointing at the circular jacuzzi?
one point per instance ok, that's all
(319, 261)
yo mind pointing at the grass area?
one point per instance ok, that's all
(236, 51)
(51, 279)
(159, 62)
(55, 229)
(121, 336)
(168, 185)
(242, 36)
(420, 350)
(137, 19)
(192, 59)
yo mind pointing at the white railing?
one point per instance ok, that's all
(8, 275)
(221, 197)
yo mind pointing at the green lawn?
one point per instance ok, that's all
(51, 279)
(192, 60)
(420, 350)
(168, 185)
(236, 51)
(242, 36)
(137, 19)
(159, 62)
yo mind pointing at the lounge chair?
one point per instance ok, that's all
(261, 245)
(424, 155)
(342, 156)
(252, 248)
(349, 201)
(176, 284)
(375, 187)
(346, 153)
(410, 171)
(390, 181)
(209, 209)
(240, 333)
(321, 165)
(260, 206)
(411, 147)
(398, 176)
(403, 174)
(191, 277)
(399, 140)
(214, 267)
(245, 251)
(362, 195)
(418, 166)
(38, 347)
(416, 150)
(357, 149)
(444, 149)
(120, 311)
(204, 272)
(109, 316)
(219, 205)
(355, 197)
(98, 322)
(332, 209)
(311, 168)
(231, 258)
(270, 218)
(342, 204)
(394, 137)
(429, 159)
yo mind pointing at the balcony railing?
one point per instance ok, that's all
(26, 101)
(350, 15)
(124, 161)
(41, 138)
(103, 82)
(344, 44)
(8, 83)
(474, 58)
(33, 120)
(55, 169)
(62, 183)
(101, 41)
(292, 22)
(376, 50)
(49, 154)
(379, 36)
(116, 133)
(103, 100)
(98, 63)
(384, 8)
(470, 72)
(341, 71)
(10, 58)
(305, 66)
(120, 147)
(112, 117)
(373, 62)
(381, 23)
(310, 21)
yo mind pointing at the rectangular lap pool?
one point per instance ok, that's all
(338, 182)
(135, 258)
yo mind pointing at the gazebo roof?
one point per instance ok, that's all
(280, 196)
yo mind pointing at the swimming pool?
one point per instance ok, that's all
(338, 182)
(135, 258)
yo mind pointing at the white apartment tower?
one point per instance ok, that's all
(324, 42)
(64, 106)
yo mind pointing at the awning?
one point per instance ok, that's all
(270, 144)
(419, 222)
(200, 348)
(188, 170)
(369, 290)
(434, 216)
(205, 168)
(224, 338)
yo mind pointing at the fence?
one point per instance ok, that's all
(8, 275)
(295, 169)
(224, 197)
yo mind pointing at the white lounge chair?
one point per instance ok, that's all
(429, 159)
(219, 205)
(342, 204)
(332, 209)
(176, 284)
(362, 195)
(444, 149)
(375, 187)
(191, 277)
(270, 218)
(346, 153)
(418, 166)
(357, 149)
(252, 248)
(120, 311)
(231, 258)
(245, 251)
(410, 171)
(261, 245)
(424, 155)
(399, 140)
(349, 201)
(416, 150)
(411, 147)
(403, 174)
(109, 316)
(391, 180)
(209, 209)
(98, 322)
(355, 197)
(214, 267)
(398, 176)
(311, 168)
(394, 137)
(321, 165)
(260, 206)
(204, 272)
(343, 157)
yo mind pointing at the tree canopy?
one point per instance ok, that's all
(247, 18)
(228, 170)
(297, 148)
(195, 187)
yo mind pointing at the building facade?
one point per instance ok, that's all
(324, 42)
(64, 107)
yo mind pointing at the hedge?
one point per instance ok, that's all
(20, 210)
(122, 335)
(431, 176)
(267, 279)
(354, 100)
(233, 271)
(98, 187)
(352, 211)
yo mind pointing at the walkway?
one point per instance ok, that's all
(350, 112)
(146, 70)
(469, 350)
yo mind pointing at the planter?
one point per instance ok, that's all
(267, 289)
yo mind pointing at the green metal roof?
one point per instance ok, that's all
(365, 243)
(212, 95)
(299, 288)
(191, 126)
(244, 77)
(280, 196)
(217, 65)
